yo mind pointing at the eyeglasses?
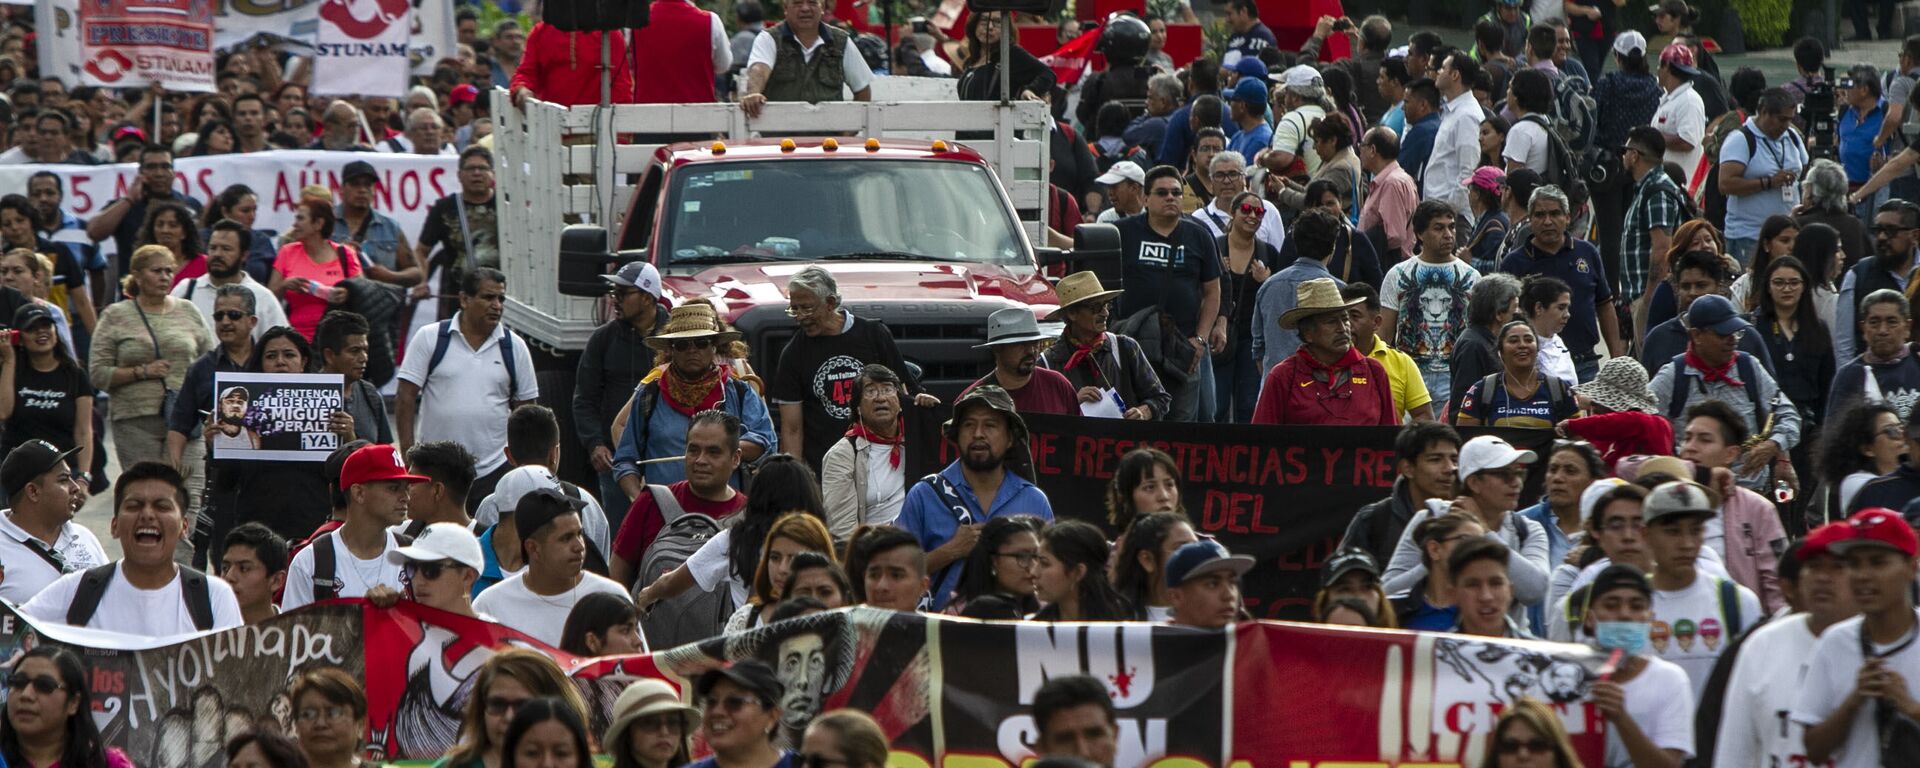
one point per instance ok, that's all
(808, 760)
(1893, 432)
(730, 704)
(500, 705)
(1249, 209)
(1025, 559)
(230, 314)
(1621, 525)
(802, 310)
(1537, 746)
(311, 714)
(44, 684)
(1166, 191)
(1787, 283)
(1889, 229)
(1228, 176)
(682, 345)
(670, 722)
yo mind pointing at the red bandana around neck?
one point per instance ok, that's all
(1709, 374)
(898, 441)
(691, 397)
(1084, 354)
(1348, 360)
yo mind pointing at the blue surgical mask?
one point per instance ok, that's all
(1628, 636)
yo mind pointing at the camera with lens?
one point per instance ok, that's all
(1820, 114)
(1342, 24)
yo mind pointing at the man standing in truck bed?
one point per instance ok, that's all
(814, 384)
(802, 59)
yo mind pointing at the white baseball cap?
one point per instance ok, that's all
(442, 541)
(637, 274)
(518, 483)
(1630, 41)
(1488, 452)
(1125, 170)
(1299, 76)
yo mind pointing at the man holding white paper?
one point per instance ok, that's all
(1109, 373)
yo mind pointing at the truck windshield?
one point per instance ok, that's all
(808, 209)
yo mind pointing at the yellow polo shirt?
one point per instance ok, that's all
(1409, 389)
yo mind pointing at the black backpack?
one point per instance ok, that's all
(93, 586)
(1743, 364)
(1563, 166)
(326, 576)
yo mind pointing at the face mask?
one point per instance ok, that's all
(1628, 636)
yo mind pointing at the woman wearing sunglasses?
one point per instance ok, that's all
(742, 716)
(1529, 735)
(1249, 262)
(844, 737)
(49, 718)
(510, 678)
(651, 728)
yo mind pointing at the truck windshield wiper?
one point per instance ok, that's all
(880, 256)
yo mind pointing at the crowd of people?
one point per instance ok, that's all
(1567, 225)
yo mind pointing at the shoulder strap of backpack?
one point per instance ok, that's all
(1730, 606)
(1743, 363)
(444, 331)
(1677, 403)
(326, 582)
(506, 356)
(1753, 142)
(86, 599)
(1556, 389)
(1576, 611)
(663, 500)
(199, 597)
(414, 527)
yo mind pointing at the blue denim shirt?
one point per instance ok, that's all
(380, 241)
(934, 524)
(666, 435)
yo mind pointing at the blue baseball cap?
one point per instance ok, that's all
(1249, 90)
(1250, 66)
(1200, 558)
(1716, 313)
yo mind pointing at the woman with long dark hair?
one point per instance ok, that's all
(291, 497)
(215, 137)
(1529, 735)
(61, 409)
(1139, 563)
(1860, 443)
(1248, 261)
(1001, 563)
(49, 715)
(239, 203)
(794, 534)
(602, 624)
(980, 63)
(1801, 345)
(508, 680)
(818, 576)
(1821, 252)
(1146, 481)
(1777, 236)
(171, 224)
(546, 733)
(1070, 575)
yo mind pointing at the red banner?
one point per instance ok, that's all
(947, 691)
(1071, 59)
(126, 43)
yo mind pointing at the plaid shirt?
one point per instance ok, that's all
(1656, 205)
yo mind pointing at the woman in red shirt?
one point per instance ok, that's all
(308, 271)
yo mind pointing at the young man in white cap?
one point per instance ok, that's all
(1203, 585)
(1491, 474)
(1861, 683)
(39, 542)
(1014, 338)
(536, 601)
(615, 360)
(1126, 184)
(439, 568)
(351, 561)
(1696, 614)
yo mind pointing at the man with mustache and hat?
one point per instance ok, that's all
(946, 510)
(1097, 362)
(1015, 339)
(1327, 380)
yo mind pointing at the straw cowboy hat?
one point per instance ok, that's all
(1078, 288)
(1315, 297)
(646, 697)
(691, 321)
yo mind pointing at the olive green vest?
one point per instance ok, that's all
(794, 78)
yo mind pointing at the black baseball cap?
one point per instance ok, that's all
(1620, 576)
(32, 459)
(1346, 561)
(751, 674)
(540, 507)
(357, 169)
(31, 314)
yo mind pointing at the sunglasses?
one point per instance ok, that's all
(230, 314)
(44, 684)
(1255, 211)
(1536, 745)
(682, 345)
(731, 704)
(1166, 192)
(809, 760)
(429, 569)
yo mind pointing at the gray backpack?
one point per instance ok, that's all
(695, 614)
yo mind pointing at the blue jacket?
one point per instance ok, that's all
(665, 434)
(933, 523)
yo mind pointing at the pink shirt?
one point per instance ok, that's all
(1390, 203)
(305, 309)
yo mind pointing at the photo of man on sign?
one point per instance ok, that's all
(275, 416)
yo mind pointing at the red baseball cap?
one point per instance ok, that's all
(463, 93)
(1820, 540)
(1878, 527)
(373, 464)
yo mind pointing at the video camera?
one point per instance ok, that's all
(1820, 114)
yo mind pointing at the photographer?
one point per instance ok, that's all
(1863, 111)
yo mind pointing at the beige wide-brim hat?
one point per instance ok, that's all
(644, 698)
(1315, 297)
(691, 321)
(1078, 288)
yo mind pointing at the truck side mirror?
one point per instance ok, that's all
(584, 257)
(1096, 247)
